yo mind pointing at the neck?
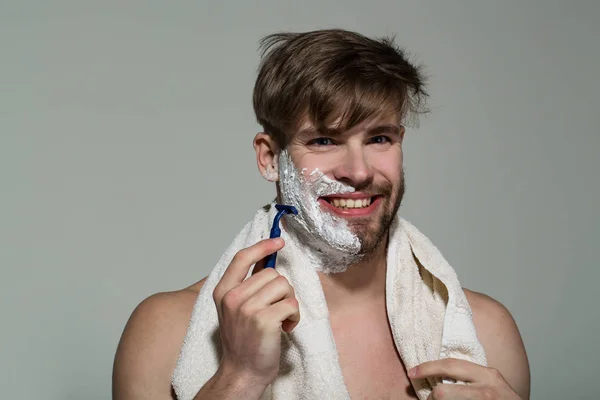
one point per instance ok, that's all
(364, 280)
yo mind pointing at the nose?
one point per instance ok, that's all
(353, 168)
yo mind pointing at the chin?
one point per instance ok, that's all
(372, 233)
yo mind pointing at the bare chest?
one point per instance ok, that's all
(370, 364)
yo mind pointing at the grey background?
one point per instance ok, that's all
(126, 166)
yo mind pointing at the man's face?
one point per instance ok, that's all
(368, 158)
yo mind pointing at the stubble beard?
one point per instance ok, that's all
(373, 233)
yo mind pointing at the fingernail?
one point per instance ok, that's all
(412, 372)
(278, 241)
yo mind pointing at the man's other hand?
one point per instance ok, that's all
(482, 383)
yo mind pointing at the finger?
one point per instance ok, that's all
(241, 262)
(260, 266)
(453, 368)
(459, 392)
(253, 284)
(270, 293)
(284, 314)
(237, 296)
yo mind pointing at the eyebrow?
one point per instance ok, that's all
(375, 130)
(388, 128)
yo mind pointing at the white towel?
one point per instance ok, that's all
(428, 313)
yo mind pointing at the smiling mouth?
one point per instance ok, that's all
(346, 203)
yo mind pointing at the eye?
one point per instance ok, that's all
(380, 140)
(322, 141)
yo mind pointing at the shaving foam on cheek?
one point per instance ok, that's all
(332, 244)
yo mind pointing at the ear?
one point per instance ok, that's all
(266, 156)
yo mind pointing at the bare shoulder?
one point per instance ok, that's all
(498, 333)
(150, 344)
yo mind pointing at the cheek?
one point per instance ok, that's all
(310, 163)
(392, 174)
(325, 161)
(388, 167)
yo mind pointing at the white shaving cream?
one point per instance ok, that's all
(324, 236)
(270, 173)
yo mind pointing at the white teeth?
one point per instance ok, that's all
(350, 203)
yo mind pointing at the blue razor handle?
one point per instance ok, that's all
(276, 231)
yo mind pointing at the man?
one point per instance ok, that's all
(333, 105)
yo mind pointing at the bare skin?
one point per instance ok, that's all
(150, 344)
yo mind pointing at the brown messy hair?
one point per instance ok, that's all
(332, 75)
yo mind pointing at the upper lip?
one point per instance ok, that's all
(353, 195)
